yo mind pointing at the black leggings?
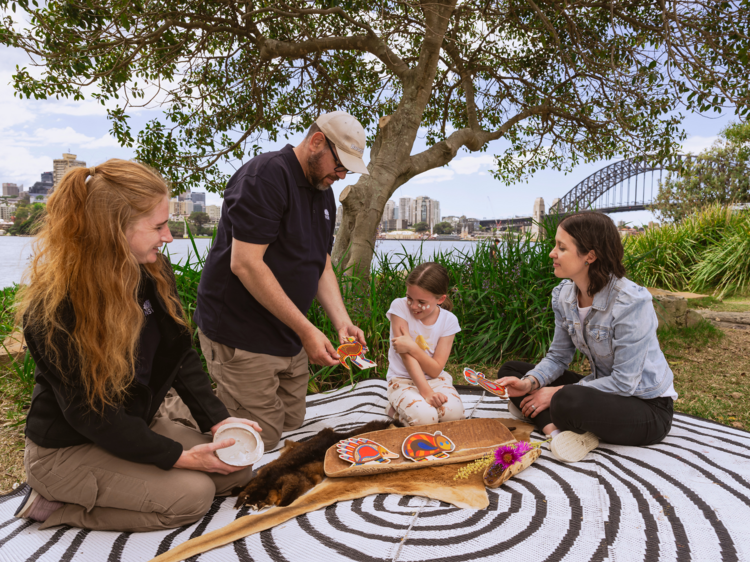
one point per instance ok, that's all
(620, 420)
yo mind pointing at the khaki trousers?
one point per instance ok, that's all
(103, 492)
(267, 389)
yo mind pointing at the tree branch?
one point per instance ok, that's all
(443, 152)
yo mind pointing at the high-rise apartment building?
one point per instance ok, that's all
(10, 189)
(198, 198)
(213, 212)
(426, 210)
(7, 212)
(187, 196)
(405, 212)
(60, 166)
(388, 220)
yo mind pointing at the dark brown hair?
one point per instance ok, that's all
(433, 278)
(596, 231)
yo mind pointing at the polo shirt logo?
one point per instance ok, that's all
(328, 216)
(147, 308)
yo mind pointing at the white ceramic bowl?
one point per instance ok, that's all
(248, 446)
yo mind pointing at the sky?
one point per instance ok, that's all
(34, 132)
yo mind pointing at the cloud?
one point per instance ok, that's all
(66, 136)
(696, 144)
(19, 165)
(471, 164)
(435, 175)
(106, 141)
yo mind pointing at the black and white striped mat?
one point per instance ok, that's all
(686, 499)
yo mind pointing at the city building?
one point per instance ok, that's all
(60, 167)
(405, 206)
(179, 208)
(388, 220)
(7, 212)
(339, 216)
(198, 198)
(213, 212)
(426, 210)
(42, 187)
(198, 207)
(11, 189)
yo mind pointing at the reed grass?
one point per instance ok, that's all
(707, 251)
(502, 298)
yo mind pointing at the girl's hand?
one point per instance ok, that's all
(538, 401)
(515, 386)
(403, 344)
(435, 399)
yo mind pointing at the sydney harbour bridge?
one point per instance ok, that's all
(627, 185)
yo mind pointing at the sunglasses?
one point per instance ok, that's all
(339, 166)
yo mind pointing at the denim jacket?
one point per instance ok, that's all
(618, 337)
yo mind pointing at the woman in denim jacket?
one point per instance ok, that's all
(628, 397)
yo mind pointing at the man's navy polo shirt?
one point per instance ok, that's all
(267, 201)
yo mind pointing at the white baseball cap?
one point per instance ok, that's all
(348, 135)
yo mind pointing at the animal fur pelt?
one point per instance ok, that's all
(298, 469)
(435, 483)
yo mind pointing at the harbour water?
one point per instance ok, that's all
(15, 252)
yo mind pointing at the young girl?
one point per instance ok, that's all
(420, 392)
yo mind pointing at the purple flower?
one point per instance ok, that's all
(508, 455)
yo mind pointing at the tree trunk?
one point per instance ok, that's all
(363, 203)
(390, 157)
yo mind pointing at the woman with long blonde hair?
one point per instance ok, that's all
(104, 324)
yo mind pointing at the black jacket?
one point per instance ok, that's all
(60, 417)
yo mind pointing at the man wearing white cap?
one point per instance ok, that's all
(271, 258)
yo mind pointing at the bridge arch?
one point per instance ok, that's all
(600, 190)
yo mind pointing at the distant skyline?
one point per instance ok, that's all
(33, 133)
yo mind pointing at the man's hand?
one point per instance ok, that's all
(251, 423)
(319, 349)
(350, 330)
(203, 458)
(403, 344)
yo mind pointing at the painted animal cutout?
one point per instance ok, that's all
(420, 447)
(359, 451)
(478, 379)
(355, 352)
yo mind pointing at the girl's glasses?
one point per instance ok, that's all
(339, 166)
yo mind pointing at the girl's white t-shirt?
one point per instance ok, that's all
(427, 337)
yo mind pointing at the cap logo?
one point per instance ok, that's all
(356, 148)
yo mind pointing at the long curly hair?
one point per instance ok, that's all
(596, 231)
(82, 261)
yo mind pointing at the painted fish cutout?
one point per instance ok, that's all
(355, 352)
(359, 451)
(420, 447)
(478, 379)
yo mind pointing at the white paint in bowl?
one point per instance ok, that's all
(248, 446)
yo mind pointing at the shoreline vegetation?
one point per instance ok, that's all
(502, 300)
